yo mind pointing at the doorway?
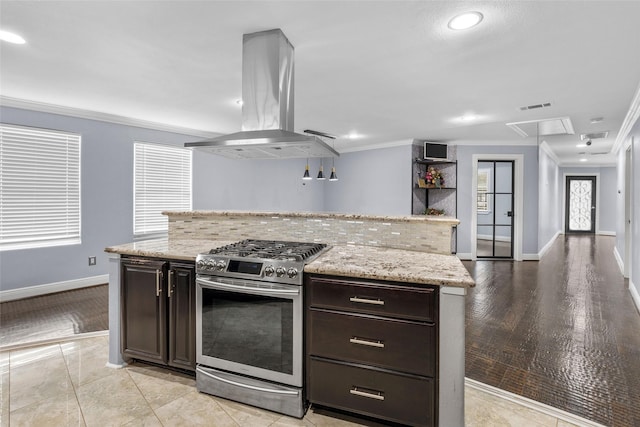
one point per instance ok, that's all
(494, 209)
(580, 204)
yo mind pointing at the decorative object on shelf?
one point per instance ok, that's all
(433, 211)
(434, 177)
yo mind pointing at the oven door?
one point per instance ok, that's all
(250, 327)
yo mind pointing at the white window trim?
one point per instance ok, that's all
(31, 217)
(153, 181)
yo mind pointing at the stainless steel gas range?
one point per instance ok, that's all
(249, 323)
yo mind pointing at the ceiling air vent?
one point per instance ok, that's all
(594, 135)
(543, 127)
(535, 106)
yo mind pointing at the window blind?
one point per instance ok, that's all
(39, 187)
(162, 181)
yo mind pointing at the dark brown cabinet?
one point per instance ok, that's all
(158, 312)
(182, 316)
(372, 348)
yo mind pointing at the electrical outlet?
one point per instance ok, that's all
(92, 260)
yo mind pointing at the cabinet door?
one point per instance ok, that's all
(143, 307)
(182, 312)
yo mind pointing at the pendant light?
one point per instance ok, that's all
(333, 176)
(306, 175)
(321, 173)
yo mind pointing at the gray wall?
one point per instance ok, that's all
(267, 185)
(606, 209)
(530, 214)
(107, 199)
(549, 199)
(375, 182)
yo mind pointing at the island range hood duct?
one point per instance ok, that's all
(267, 106)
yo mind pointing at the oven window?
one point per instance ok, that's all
(248, 329)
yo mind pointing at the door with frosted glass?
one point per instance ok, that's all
(494, 213)
(580, 208)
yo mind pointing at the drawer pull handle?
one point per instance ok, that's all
(158, 278)
(367, 301)
(356, 340)
(377, 395)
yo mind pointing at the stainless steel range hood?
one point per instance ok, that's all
(267, 109)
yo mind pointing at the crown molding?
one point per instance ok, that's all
(376, 146)
(518, 143)
(80, 113)
(629, 121)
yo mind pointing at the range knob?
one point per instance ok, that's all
(269, 270)
(292, 272)
(201, 264)
(280, 271)
(207, 264)
(221, 265)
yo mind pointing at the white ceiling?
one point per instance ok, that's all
(388, 70)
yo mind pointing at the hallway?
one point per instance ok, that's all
(563, 331)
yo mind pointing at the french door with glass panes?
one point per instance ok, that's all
(494, 209)
(580, 205)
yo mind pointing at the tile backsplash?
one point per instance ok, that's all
(416, 233)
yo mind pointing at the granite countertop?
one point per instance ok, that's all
(330, 215)
(170, 249)
(364, 262)
(396, 265)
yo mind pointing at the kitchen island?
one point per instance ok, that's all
(441, 273)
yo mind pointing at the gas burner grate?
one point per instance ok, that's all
(270, 249)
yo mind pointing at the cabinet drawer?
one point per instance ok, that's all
(373, 298)
(406, 346)
(404, 399)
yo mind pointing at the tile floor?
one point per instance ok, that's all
(67, 384)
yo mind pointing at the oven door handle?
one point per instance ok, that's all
(252, 387)
(212, 284)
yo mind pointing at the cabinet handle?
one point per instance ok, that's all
(367, 301)
(158, 288)
(377, 395)
(171, 282)
(356, 340)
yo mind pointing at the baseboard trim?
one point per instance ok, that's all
(606, 233)
(546, 247)
(616, 254)
(49, 288)
(54, 340)
(530, 257)
(531, 404)
(635, 296)
(464, 256)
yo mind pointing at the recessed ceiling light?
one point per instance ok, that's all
(465, 20)
(583, 160)
(581, 145)
(354, 135)
(11, 37)
(239, 102)
(468, 117)
(596, 120)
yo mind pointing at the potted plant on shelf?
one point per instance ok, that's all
(434, 211)
(433, 178)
